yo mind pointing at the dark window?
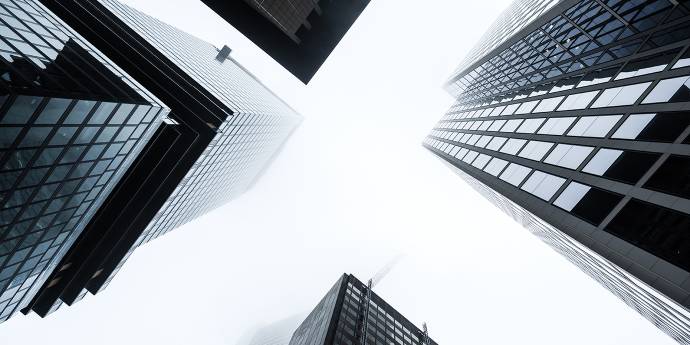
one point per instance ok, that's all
(662, 127)
(660, 231)
(589, 203)
(672, 177)
(624, 166)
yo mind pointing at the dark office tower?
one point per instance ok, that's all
(577, 126)
(349, 310)
(71, 124)
(224, 127)
(298, 34)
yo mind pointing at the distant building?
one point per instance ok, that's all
(155, 172)
(573, 117)
(298, 34)
(277, 333)
(350, 310)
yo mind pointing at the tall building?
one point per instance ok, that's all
(71, 124)
(576, 124)
(127, 171)
(298, 34)
(349, 310)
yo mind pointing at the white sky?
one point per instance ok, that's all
(352, 188)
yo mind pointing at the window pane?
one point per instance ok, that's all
(21, 110)
(543, 185)
(670, 90)
(526, 107)
(568, 156)
(672, 177)
(624, 95)
(633, 125)
(556, 125)
(590, 204)
(513, 146)
(495, 166)
(535, 150)
(548, 104)
(530, 126)
(594, 126)
(578, 101)
(515, 173)
(625, 166)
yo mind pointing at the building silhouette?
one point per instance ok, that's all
(298, 34)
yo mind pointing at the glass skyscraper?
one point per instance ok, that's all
(71, 124)
(575, 122)
(350, 310)
(95, 162)
(298, 34)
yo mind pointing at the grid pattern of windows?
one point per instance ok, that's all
(71, 123)
(338, 320)
(288, 15)
(245, 142)
(584, 122)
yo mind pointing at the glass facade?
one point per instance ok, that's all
(243, 145)
(277, 333)
(71, 123)
(343, 316)
(579, 120)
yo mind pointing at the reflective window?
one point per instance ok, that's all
(53, 111)
(556, 125)
(497, 125)
(548, 104)
(535, 150)
(470, 157)
(530, 125)
(590, 204)
(543, 185)
(625, 166)
(661, 231)
(672, 177)
(526, 107)
(510, 109)
(598, 76)
(22, 109)
(624, 95)
(496, 143)
(670, 90)
(578, 101)
(481, 161)
(483, 141)
(594, 126)
(662, 127)
(495, 166)
(513, 146)
(647, 65)
(515, 173)
(568, 156)
(511, 125)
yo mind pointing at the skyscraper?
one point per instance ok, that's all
(349, 310)
(223, 128)
(71, 125)
(576, 124)
(298, 34)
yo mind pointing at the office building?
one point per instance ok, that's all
(576, 124)
(71, 124)
(298, 34)
(349, 310)
(223, 128)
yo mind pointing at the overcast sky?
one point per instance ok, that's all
(352, 189)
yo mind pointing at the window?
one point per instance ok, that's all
(548, 104)
(526, 107)
(594, 126)
(599, 76)
(483, 141)
(495, 166)
(624, 166)
(647, 65)
(21, 110)
(511, 125)
(53, 111)
(470, 157)
(661, 231)
(568, 156)
(578, 101)
(543, 185)
(556, 125)
(496, 143)
(590, 204)
(514, 174)
(510, 109)
(497, 125)
(670, 90)
(530, 126)
(513, 146)
(535, 150)
(624, 95)
(662, 127)
(481, 161)
(672, 177)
